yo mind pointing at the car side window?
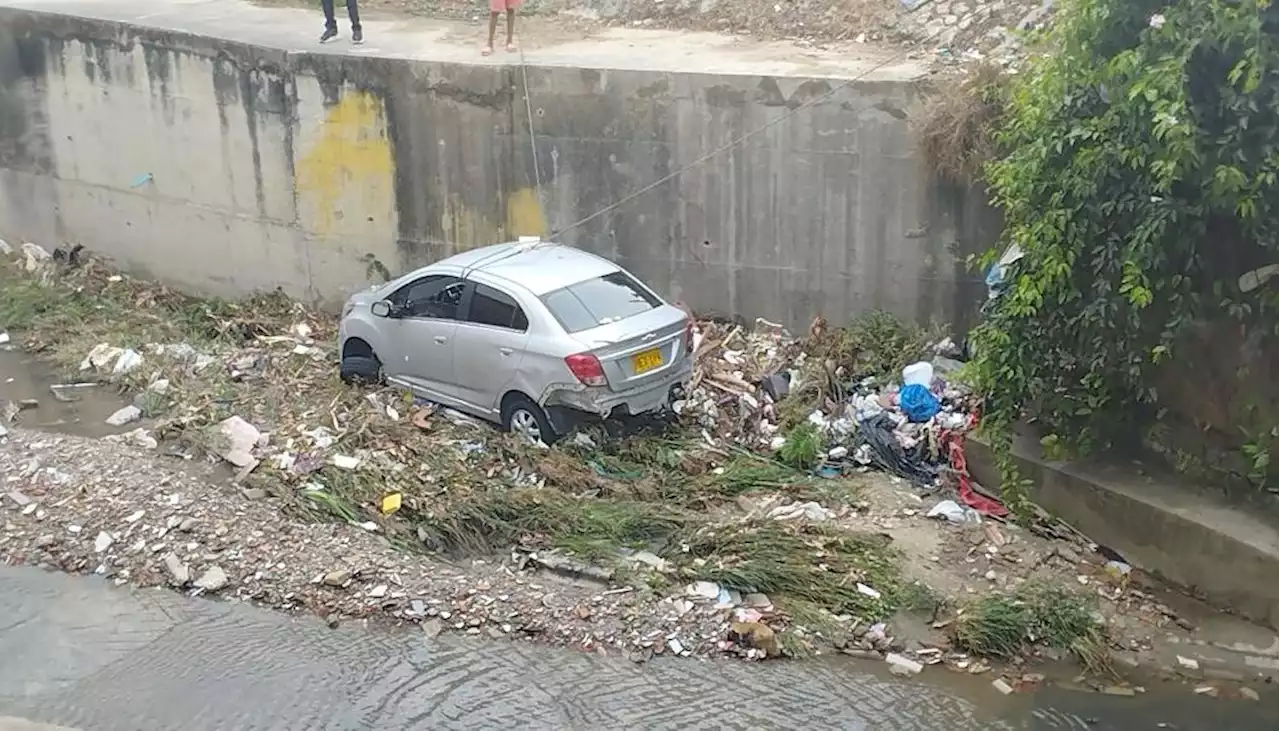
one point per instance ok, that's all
(436, 296)
(491, 307)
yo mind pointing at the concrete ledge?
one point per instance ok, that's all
(296, 30)
(1160, 523)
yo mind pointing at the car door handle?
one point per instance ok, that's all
(441, 339)
(505, 351)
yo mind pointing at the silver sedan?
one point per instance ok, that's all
(531, 335)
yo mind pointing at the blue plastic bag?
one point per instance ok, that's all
(917, 402)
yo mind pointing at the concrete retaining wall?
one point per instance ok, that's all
(1162, 524)
(228, 167)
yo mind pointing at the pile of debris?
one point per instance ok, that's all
(763, 389)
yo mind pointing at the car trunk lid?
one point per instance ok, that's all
(639, 349)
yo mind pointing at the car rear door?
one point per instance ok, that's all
(489, 346)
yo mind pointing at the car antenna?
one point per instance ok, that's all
(523, 244)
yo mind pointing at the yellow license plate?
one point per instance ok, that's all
(646, 361)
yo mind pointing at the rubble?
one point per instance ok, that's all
(124, 416)
(899, 665)
(178, 572)
(241, 438)
(213, 579)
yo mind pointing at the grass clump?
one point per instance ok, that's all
(1003, 626)
(496, 518)
(955, 136)
(806, 562)
(803, 447)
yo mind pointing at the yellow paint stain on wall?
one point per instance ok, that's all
(467, 228)
(524, 214)
(350, 165)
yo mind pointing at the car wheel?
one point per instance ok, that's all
(521, 416)
(360, 369)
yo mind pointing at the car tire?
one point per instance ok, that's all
(520, 415)
(360, 369)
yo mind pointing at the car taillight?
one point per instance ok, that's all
(586, 368)
(688, 336)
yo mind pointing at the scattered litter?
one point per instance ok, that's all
(102, 542)
(950, 510)
(705, 589)
(345, 462)
(901, 665)
(569, 566)
(868, 591)
(240, 439)
(652, 560)
(391, 503)
(124, 416)
(1118, 570)
(1188, 663)
(810, 511)
(126, 362)
(918, 403)
(1002, 686)
(918, 374)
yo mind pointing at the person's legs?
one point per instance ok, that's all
(511, 6)
(330, 24)
(353, 12)
(493, 28)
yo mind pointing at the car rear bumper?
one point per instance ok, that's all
(603, 402)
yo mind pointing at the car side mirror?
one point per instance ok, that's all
(381, 308)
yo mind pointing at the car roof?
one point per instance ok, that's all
(539, 267)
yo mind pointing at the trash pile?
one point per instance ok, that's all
(760, 389)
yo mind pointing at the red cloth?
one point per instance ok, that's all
(954, 444)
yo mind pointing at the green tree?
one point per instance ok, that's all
(1139, 177)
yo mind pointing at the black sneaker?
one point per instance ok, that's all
(357, 36)
(328, 35)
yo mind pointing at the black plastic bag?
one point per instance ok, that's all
(888, 454)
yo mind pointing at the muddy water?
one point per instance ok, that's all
(80, 411)
(83, 654)
(78, 652)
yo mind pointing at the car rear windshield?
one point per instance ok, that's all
(599, 301)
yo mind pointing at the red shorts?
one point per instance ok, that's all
(501, 6)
